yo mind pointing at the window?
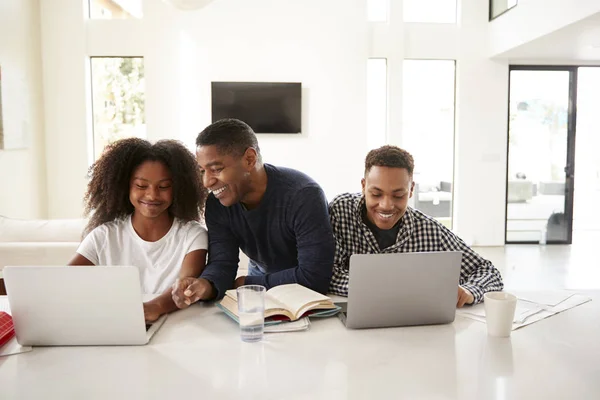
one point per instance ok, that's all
(115, 9)
(118, 100)
(430, 11)
(377, 10)
(376, 102)
(499, 7)
(428, 133)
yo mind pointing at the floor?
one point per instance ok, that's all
(575, 266)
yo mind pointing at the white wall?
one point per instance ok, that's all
(22, 180)
(321, 44)
(324, 45)
(65, 112)
(481, 122)
(481, 133)
(532, 19)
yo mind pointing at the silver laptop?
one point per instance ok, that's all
(75, 306)
(402, 289)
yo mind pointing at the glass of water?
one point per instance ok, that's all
(251, 312)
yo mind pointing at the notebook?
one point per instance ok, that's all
(7, 329)
(11, 346)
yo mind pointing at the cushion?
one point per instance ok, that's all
(36, 253)
(39, 230)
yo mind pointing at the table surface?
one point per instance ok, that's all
(198, 353)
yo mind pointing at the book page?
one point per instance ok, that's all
(296, 297)
(270, 303)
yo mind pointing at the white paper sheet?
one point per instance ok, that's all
(12, 347)
(528, 312)
(544, 297)
(523, 311)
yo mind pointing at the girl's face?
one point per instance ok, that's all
(151, 189)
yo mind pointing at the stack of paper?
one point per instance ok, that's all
(532, 306)
(299, 325)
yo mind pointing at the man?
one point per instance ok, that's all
(380, 221)
(277, 216)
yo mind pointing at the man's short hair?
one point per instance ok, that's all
(230, 136)
(390, 156)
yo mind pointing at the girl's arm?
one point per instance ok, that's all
(192, 266)
(80, 260)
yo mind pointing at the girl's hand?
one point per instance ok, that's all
(151, 311)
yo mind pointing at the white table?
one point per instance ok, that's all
(197, 354)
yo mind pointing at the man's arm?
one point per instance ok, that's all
(316, 247)
(477, 275)
(223, 251)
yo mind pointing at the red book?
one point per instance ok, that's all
(7, 329)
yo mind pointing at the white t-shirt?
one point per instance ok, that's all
(159, 263)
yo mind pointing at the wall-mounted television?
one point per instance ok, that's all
(268, 107)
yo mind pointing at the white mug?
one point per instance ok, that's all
(499, 312)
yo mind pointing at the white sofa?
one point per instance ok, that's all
(48, 242)
(39, 242)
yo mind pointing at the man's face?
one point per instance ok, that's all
(226, 176)
(386, 192)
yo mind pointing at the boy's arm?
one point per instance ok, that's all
(477, 275)
(341, 261)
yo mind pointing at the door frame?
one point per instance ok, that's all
(570, 162)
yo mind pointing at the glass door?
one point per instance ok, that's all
(541, 151)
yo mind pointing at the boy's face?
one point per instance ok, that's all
(386, 192)
(151, 189)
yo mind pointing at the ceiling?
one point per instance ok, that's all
(579, 41)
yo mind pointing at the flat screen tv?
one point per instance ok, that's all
(268, 107)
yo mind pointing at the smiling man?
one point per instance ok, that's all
(277, 216)
(379, 220)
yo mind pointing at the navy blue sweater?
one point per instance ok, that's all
(289, 235)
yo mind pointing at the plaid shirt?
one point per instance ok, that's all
(417, 233)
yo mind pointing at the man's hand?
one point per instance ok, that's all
(464, 297)
(152, 311)
(241, 281)
(187, 291)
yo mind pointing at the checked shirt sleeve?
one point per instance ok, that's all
(477, 274)
(341, 260)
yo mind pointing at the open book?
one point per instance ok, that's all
(285, 303)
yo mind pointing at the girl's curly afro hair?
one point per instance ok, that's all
(107, 195)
